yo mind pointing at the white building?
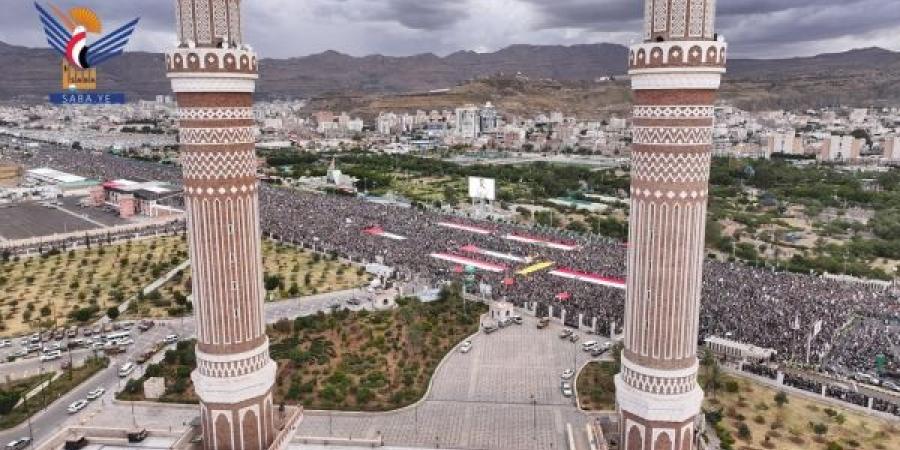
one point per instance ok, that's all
(785, 143)
(892, 148)
(468, 123)
(840, 148)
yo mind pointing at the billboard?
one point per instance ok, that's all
(482, 188)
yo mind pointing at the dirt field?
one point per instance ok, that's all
(46, 292)
(299, 274)
(792, 426)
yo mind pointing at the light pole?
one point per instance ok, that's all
(534, 418)
(30, 433)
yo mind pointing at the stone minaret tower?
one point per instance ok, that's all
(214, 76)
(675, 75)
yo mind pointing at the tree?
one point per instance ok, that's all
(781, 399)
(112, 313)
(744, 431)
(8, 401)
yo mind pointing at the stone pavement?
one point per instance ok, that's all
(480, 400)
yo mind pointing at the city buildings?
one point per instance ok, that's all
(675, 76)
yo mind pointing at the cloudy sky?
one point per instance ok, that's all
(284, 28)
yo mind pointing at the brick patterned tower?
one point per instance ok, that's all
(214, 76)
(675, 76)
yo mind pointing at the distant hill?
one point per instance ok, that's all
(858, 77)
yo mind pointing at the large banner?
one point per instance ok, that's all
(482, 188)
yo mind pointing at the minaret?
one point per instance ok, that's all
(214, 76)
(675, 75)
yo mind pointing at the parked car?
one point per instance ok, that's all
(19, 443)
(566, 389)
(573, 337)
(589, 345)
(568, 374)
(891, 385)
(144, 357)
(146, 325)
(488, 329)
(517, 320)
(51, 356)
(52, 347)
(599, 351)
(564, 334)
(543, 322)
(503, 323)
(96, 393)
(5, 343)
(77, 406)
(20, 353)
(465, 347)
(126, 369)
(354, 301)
(171, 339)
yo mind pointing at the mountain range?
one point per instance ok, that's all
(857, 77)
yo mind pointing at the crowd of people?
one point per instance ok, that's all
(762, 307)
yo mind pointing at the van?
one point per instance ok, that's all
(126, 369)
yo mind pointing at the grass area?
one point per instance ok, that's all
(365, 361)
(596, 389)
(289, 273)
(752, 416)
(11, 393)
(77, 286)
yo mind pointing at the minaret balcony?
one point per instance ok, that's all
(678, 54)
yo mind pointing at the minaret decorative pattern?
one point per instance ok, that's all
(675, 76)
(214, 76)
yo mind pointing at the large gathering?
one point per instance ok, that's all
(786, 307)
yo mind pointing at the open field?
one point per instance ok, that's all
(289, 273)
(77, 286)
(748, 416)
(365, 361)
(752, 416)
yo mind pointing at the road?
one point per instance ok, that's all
(49, 421)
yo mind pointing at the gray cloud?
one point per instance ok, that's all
(281, 28)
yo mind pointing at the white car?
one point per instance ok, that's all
(566, 389)
(51, 356)
(568, 374)
(51, 347)
(465, 347)
(171, 339)
(589, 345)
(96, 393)
(5, 343)
(77, 406)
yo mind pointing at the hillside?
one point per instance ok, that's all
(858, 77)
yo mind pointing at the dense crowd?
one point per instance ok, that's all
(762, 307)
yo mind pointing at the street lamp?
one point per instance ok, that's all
(534, 418)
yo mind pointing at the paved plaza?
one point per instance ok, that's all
(480, 400)
(27, 220)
